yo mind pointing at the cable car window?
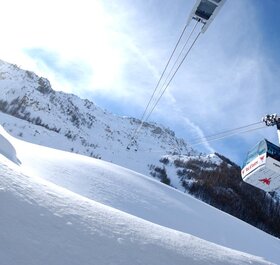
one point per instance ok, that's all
(262, 147)
(273, 151)
(205, 9)
(252, 155)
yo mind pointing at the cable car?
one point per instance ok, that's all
(205, 11)
(261, 167)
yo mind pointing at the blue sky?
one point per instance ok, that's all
(113, 52)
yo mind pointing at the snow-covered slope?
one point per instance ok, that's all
(41, 217)
(44, 224)
(64, 121)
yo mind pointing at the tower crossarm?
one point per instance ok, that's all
(271, 120)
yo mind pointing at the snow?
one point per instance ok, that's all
(44, 224)
(213, 158)
(70, 123)
(64, 208)
(7, 149)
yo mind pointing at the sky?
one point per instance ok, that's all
(113, 53)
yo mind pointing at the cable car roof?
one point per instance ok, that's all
(205, 11)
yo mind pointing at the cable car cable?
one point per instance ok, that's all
(173, 75)
(162, 74)
(167, 85)
(225, 136)
(203, 140)
(178, 57)
(224, 132)
(156, 87)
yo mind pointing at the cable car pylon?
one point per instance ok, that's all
(272, 120)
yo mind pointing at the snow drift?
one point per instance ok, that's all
(45, 223)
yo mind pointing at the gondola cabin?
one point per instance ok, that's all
(262, 166)
(205, 11)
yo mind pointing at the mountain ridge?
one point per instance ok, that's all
(87, 129)
(31, 110)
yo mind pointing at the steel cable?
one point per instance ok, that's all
(167, 85)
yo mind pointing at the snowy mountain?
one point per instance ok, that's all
(66, 122)
(56, 209)
(31, 110)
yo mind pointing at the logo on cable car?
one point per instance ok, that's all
(251, 166)
(265, 181)
(262, 158)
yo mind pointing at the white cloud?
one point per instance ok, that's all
(77, 31)
(119, 49)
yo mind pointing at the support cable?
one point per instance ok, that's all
(224, 132)
(157, 85)
(225, 136)
(222, 135)
(178, 57)
(167, 85)
(165, 88)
